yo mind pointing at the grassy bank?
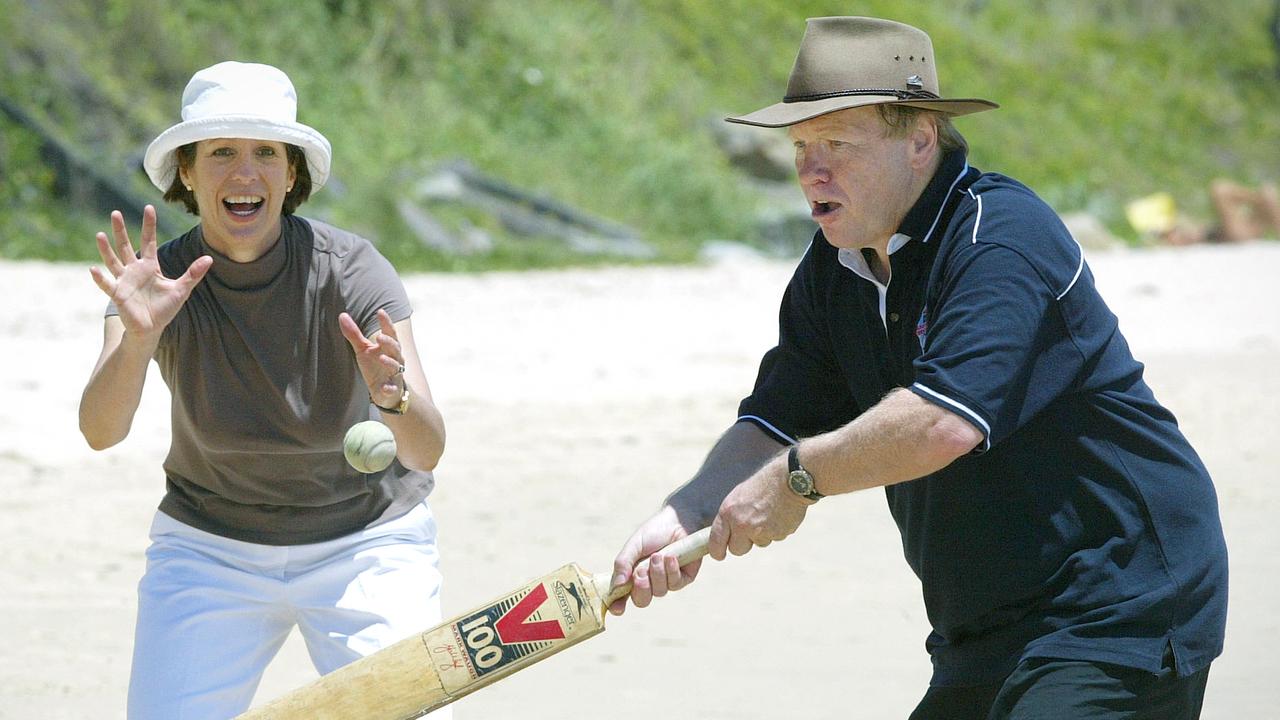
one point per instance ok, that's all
(606, 105)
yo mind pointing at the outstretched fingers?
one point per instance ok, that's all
(105, 283)
(353, 334)
(123, 245)
(111, 259)
(108, 255)
(382, 350)
(194, 274)
(148, 248)
(391, 355)
(388, 327)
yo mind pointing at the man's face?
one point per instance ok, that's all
(859, 180)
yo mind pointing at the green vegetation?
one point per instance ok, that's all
(606, 105)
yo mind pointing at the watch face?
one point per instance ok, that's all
(801, 482)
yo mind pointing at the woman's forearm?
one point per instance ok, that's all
(114, 391)
(419, 432)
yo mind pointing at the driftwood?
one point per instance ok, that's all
(83, 182)
(519, 211)
(433, 233)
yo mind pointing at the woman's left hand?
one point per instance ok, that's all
(380, 358)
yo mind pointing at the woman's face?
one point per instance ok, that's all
(240, 186)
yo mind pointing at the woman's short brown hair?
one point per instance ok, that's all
(297, 160)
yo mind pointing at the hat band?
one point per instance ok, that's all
(900, 94)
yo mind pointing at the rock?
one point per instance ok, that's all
(1089, 231)
(764, 153)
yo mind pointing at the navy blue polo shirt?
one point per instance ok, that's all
(1084, 526)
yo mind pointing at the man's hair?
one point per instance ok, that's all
(297, 160)
(901, 120)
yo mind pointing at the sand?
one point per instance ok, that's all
(575, 401)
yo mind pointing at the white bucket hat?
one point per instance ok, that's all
(238, 100)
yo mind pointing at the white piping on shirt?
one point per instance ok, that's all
(1079, 268)
(1079, 272)
(769, 425)
(977, 221)
(968, 413)
(963, 171)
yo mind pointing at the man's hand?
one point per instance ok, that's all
(663, 573)
(759, 511)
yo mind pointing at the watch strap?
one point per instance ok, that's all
(400, 408)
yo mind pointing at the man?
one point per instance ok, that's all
(942, 337)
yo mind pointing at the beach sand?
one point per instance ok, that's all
(575, 400)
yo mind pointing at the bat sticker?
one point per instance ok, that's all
(528, 622)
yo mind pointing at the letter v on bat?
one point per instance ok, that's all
(512, 627)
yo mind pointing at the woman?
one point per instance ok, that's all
(274, 335)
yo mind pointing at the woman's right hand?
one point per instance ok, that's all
(146, 300)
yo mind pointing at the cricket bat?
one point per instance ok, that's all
(432, 669)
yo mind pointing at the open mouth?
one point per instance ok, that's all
(243, 205)
(821, 208)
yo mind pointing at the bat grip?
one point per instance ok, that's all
(686, 549)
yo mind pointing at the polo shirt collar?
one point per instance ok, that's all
(857, 262)
(923, 217)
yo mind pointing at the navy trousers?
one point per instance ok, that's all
(1047, 689)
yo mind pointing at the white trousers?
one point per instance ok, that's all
(213, 612)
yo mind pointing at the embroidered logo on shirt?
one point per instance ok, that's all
(922, 327)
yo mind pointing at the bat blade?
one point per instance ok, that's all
(432, 669)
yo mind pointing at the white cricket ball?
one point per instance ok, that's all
(369, 446)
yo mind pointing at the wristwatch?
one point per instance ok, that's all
(799, 479)
(400, 407)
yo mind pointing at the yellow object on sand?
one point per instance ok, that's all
(1153, 214)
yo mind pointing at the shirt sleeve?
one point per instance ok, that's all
(370, 283)
(799, 389)
(997, 350)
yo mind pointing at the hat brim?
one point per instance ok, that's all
(785, 114)
(161, 161)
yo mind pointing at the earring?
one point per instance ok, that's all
(188, 188)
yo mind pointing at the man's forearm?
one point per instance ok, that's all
(742, 450)
(901, 438)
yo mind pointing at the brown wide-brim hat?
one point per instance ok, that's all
(847, 62)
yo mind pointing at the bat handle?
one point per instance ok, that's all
(686, 549)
